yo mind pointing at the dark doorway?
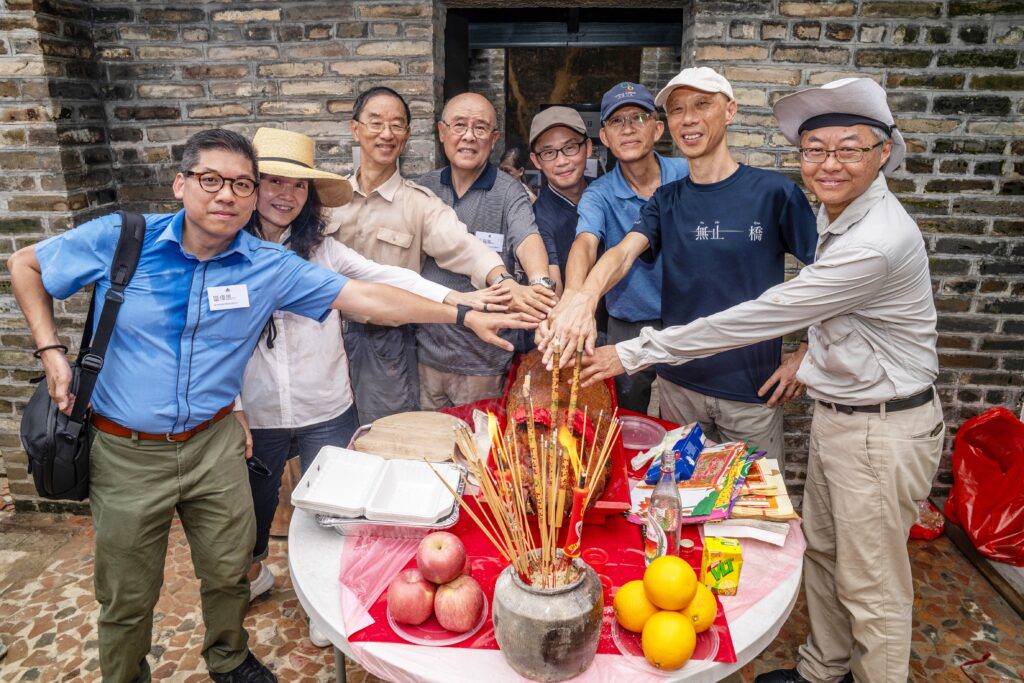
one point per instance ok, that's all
(525, 59)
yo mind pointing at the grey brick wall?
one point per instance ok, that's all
(952, 71)
(97, 98)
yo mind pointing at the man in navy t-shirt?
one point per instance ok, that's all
(723, 233)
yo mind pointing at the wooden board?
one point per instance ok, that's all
(412, 436)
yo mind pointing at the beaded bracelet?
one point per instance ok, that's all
(39, 352)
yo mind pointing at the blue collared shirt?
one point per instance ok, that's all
(608, 209)
(172, 362)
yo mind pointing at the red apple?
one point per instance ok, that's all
(410, 597)
(440, 556)
(457, 604)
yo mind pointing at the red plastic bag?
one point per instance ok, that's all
(930, 522)
(987, 500)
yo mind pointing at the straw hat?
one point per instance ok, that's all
(284, 153)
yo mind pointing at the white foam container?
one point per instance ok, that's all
(353, 485)
(409, 492)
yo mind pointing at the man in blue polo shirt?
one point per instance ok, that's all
(724, 232)
(192, 314)
(607, 210)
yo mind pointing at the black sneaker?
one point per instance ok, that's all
(249, 671)
(791, 676)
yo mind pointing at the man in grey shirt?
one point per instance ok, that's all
(877, 430)
(453, 368)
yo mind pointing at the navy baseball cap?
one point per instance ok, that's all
(623, 94)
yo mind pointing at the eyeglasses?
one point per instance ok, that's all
(377, 127)
(568, 151)
(479, 131)
(257, 467)
(638, 121)
(844, 155)
(212, 182)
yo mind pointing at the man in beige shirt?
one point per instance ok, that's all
(877, 430)
(396, 222)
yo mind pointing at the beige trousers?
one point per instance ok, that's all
(865, 471)
(440, 389)
(724, 420)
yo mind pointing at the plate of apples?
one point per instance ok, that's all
(437, 602)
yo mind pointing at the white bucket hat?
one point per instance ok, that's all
(284, 153)
(854, 100)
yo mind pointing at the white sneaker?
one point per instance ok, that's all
(263, 582)
(316, 637)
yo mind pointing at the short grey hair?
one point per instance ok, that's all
(880, 134)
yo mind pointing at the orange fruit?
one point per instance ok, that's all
(632, 608)
(702, 609)
(668, 640)
(670, 582)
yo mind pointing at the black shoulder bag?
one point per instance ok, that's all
(57, 445)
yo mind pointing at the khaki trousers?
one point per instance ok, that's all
(864, 473)
(439, 389)
(724, 420)
(135, 488)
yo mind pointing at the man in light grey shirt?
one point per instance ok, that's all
(877, 431)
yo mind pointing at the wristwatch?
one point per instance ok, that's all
(504, 276)
(460, 319)
(544, 282)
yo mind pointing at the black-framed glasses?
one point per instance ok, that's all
(638, 120)
(479, 130)
(844, 155)
(212, 182)
(568, 151)
(257, 467)
(377, 127)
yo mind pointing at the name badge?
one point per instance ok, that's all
(493, 240)
(228, 297)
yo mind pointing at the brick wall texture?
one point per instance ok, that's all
(97, 99)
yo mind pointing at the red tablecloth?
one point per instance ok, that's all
(618, 537)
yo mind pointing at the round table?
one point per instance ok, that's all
(314, 556)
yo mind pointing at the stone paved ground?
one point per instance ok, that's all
(48, 614)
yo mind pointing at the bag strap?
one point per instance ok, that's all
(90, 357)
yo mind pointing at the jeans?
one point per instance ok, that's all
(273, 447)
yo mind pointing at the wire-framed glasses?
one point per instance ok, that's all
(638, 120)
(844, 155)
(377, 127)
(479, 130)
(212, 182)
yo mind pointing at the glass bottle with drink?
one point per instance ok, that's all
(664, 513)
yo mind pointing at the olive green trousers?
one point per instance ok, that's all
(135, 488)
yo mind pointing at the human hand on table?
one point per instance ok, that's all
(493, 299)
(570, 320)
(487, 325)
(600, 365)
(534, 300)
(789, 387)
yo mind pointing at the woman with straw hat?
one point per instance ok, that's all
(296, 386)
